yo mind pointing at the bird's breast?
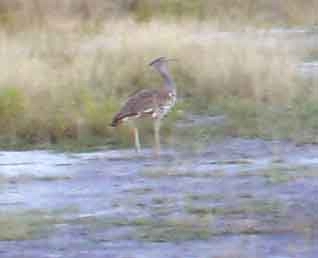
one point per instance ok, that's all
(165, 105)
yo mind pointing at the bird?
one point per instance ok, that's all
(153, 103)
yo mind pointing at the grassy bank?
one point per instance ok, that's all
(63, 84)
(17, 13)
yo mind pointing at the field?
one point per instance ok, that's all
(238, 170)
(66, 76)
(228, 13)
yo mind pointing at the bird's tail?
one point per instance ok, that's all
(121, 117)
(114, 123)
(116, 120)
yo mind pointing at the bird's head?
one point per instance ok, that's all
(160, 61)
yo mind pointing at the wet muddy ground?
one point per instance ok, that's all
(237, 198)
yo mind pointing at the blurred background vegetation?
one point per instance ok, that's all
(67, 65)
(257, 12)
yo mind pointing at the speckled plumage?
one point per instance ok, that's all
(154, 103)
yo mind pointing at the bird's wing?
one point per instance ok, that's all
(142, 102)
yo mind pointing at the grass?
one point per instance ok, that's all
(36, 224)
(167, 229)
(187, 227)
(241, 12)
(274, 174)
(28, 225)
(174, 230)
(175, 172)
(277, 174)
(140, 190)
(28, 178)
(228, 12)
(205, 197)
(244, 207)
(63, 88)
(245, 118)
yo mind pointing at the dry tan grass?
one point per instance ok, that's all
(70, 84)
(255, 12)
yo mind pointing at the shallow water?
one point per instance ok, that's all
(117, 204)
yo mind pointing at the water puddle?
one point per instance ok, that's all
(127, 203)
(36, 164)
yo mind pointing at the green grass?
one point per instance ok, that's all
(61, 90)
(167, 229)
(244, 207)
(174, 230)
(17, 13)
(28, 225)
(280, 174)
(187, 227)
(175, 172)
(245, 118)
(28, 178)
(205, 197)
(141, 190)
(229, 12)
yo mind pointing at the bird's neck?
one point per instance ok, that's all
(168, 80)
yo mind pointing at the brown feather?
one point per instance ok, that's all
(144, 102)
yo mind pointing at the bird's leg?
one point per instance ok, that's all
(157, 136)
(136, 139)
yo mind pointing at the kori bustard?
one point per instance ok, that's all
(154, 103)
